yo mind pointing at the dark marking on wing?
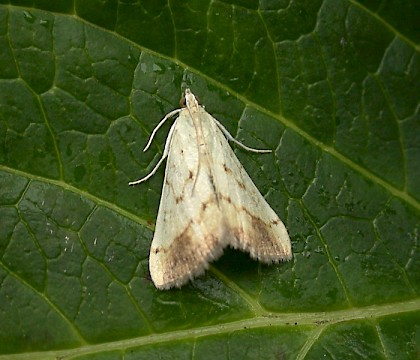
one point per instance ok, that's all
(179, 199)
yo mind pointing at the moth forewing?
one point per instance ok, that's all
(208, 202)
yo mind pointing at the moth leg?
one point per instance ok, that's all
(152, 135)
(231, 138)
(165, 154)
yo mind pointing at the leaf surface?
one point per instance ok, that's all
(332, 86)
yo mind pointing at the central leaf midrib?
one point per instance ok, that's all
(314, 319)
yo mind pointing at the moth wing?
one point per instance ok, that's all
(189, 227)
(252, 224)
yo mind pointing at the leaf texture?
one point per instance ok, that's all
(331, 86)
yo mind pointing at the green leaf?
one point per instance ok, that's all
(332, 86)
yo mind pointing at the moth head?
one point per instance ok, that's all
(188, 100)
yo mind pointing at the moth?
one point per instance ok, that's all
(208, 202)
